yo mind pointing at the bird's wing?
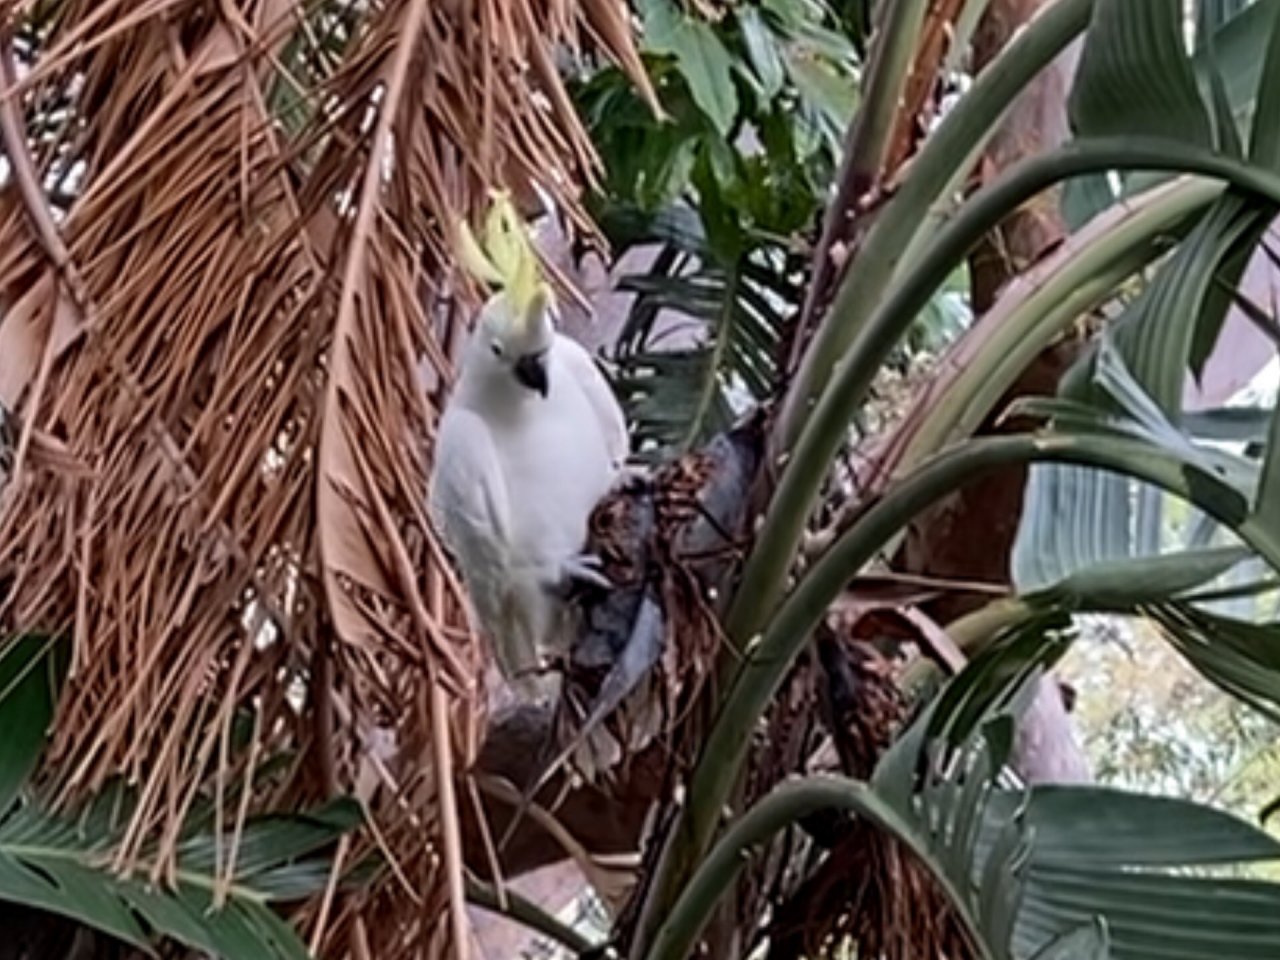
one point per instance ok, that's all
(599, 394)
(470, 508)
(468, 503)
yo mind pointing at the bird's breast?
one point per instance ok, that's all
(557, 469)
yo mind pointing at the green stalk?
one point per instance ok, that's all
(765, 574)
(975, 630)
(769, 659)
(780, 809)
(867, 142)
(961, 134)
(527, 913)
(891, 59)
(1042, 303)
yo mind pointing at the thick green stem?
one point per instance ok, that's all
(1041, 304)
(769, 659)
(869, 134)
(765, 575)
(958, 140)
(527, 913)
(781, 808)
(975, 630)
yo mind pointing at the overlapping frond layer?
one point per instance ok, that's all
(225, 284)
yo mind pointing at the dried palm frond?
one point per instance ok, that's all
(226, 285)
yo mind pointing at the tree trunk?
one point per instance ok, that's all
(971, 535)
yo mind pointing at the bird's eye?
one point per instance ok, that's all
(496, 348)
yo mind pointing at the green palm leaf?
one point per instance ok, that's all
(63, 864)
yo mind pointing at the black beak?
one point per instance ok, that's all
(531, 371)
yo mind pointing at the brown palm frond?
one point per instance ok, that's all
(226, 291)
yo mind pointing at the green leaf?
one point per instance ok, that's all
(1138, 863)
(64, 866)
(762, 49)
(942, 823)
(1155, 334)
(273, 840)
(1156, 916)
(1268, 499)
(1122, 585)
(821, 85)
(1241, 658)
(1106, 827)
(1090, 940)
(676, 397)
(702, 59)
(1236, 56)
(1106, 529)
(1135, 78)
(1264, 145)
(32, 668)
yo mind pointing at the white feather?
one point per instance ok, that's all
(516, 477)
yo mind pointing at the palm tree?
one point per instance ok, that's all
(229, 312)
(226, 262)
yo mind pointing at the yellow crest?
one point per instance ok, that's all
(504, 257)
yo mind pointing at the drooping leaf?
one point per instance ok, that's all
(1239, 656)
(1074, 518)
(1138, 863)
(64, 866)
(699, 330)
(702, 58)
(762, 49)
(1236, 55)
(32, 668)
(1134, 76)
(1126, 584)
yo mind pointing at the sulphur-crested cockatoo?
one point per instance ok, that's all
(530, 441)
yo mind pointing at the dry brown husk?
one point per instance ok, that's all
(239, 323)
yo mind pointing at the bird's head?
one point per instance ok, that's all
(513, 333)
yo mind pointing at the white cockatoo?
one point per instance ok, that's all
(531, 439)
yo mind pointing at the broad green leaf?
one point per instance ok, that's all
(1264, 145)
(762, 49)
(1091, 940)
(1135, 868)
(274, 840)
(1123, 585)
(1106, 827)
(1085, 537)
(1212, 14)
(32, 668)
(1134, 77)
(820, 84)
(1155, 334)
(64, 866)
(1154, 916)
(701, 57)
(1241, 657)
(1075, 519)
(1238, 54)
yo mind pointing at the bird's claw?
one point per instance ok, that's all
(584, 569)
(632, 478)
